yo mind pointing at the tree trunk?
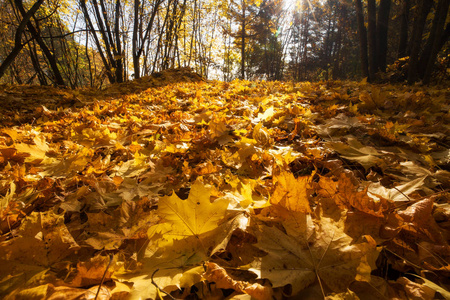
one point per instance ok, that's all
(105, 33)
(35, 62)
(404, 29)
(372, 38)
(48, 54)
(243, 33)
(118, 55)
(87, 17)
(435, 37)
(445, 36)
(382, 33)
(362, 34)
(18, 45)
(422, 10)
(134, 42)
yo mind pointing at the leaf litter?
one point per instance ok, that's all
(174, 187)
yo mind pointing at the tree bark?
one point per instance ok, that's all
(382, 33)
(18, 45)
(35, 62)
(105, 33)
(372, 38)
(435, 37)
(362, 34)
(422, 10)
(134, 42)
(87, 17)
(243, 33)
(140, 37)
(404, 29)
(48, 54)
(118, 55)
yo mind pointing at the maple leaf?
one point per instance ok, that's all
(91, 272)
(399, 193)
(107, 163)
(196, 216)
(36, 152)
(95, 137)
(170, 268)
(340, 125)
(42, 239)
(327, 256)
(109, 231)
(242, 195)
(346, 195)
(68, 164)
(267, 115)
(262, 135)
(290, 192)
(353, 150)
(133, 167)
(419, 213)
(218, 130)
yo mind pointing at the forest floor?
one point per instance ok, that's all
(174, 187)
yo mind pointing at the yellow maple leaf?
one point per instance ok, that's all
(261, 135)
(36, 152)
(267, 115)
(291, 192)
(169, 268)
(41, 240)
(191, 217)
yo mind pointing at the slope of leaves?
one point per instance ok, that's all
(213, 190)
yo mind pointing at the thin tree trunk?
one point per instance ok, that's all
(134, 42)
(18, 45)
(48, 54)
(243, 33)
(87, 17)
(35, 62)
(118, 47)
(435, 37)
(362, 39)
(372, 38)
(91, 81)
(105, 34)
(422, 10)
(382, 33)
(404, 29)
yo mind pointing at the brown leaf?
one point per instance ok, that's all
(416, 291)
(217, 274)
(347, 195)
(92, 271)
(419, 213)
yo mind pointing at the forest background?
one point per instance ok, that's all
(83, 43)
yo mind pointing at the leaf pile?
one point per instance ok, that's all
(213, 190)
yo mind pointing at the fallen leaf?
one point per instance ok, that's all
(218, 275)
(291, 192)
(354, 150)
(328, 257)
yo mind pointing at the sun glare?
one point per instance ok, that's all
(292, 4)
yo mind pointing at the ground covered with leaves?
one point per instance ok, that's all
(173, 187)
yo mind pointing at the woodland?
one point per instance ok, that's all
(241, 149)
